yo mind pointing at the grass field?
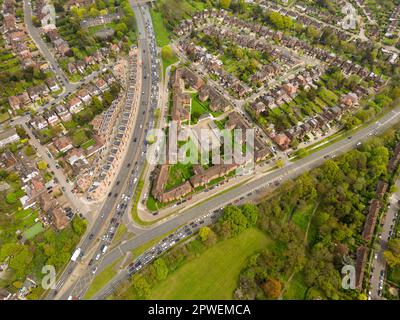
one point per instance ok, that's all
(214, 273)
(178, 173)
(162, 34)
(79, 138)
(33, 231)
(296, 289)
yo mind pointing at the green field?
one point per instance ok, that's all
(162, 34)
(178, 173)
(33, 231)
(214, 273)
(296, 288)
(102, 279)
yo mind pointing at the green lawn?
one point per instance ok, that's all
(162, 33)
(102, 279)
(214, 273)
(394, 275)
(4, 117)
(79, 138)
(302, 217)
(178, 173)
(168, 62)
(296, 289)
(33, 231)
(88, 144)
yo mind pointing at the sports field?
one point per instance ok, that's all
(214, 273)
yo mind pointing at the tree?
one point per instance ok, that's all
(392, 255)
(167, 53)
(140, 286)
(121, 27)
(35, 21)
(272, 288)
(251, 212)
(313, 32)
(19, 257)
(234, 220)
(11, 198)
(204, 232)
(280, 163)
(391, 259)
(42, 165)
(21, 132)
(160, 268)
(225, 4)
(79, 226)
(29, 150)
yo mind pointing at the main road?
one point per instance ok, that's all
(134, 154)
(258, 182)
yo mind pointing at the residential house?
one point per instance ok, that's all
(52, 118)
(9, 136)
(14, 103)
(63, 144)
(38, 122)
(63, 113)
(101, 84)
(52, 84)
(370, 222)
(75, 105)
(84, 95)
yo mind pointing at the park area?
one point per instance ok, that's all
(214, 273)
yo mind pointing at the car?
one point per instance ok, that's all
(129, 164)
(109, 194)
(69, 271)
(382, 273)
(63, 189)
(91, 262)
(91, 236)
(94, 270)
(376, 256)
(115, 195)
(118, 182)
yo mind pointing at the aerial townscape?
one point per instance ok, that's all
(200, 150)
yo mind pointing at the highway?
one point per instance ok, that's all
(132, 164)
(290, 171)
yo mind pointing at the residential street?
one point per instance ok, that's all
(379, 264)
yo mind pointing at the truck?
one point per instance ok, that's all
(76, 254)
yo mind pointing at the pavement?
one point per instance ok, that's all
(378, 273)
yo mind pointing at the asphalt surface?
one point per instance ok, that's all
(125, 180)
(290, 171)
